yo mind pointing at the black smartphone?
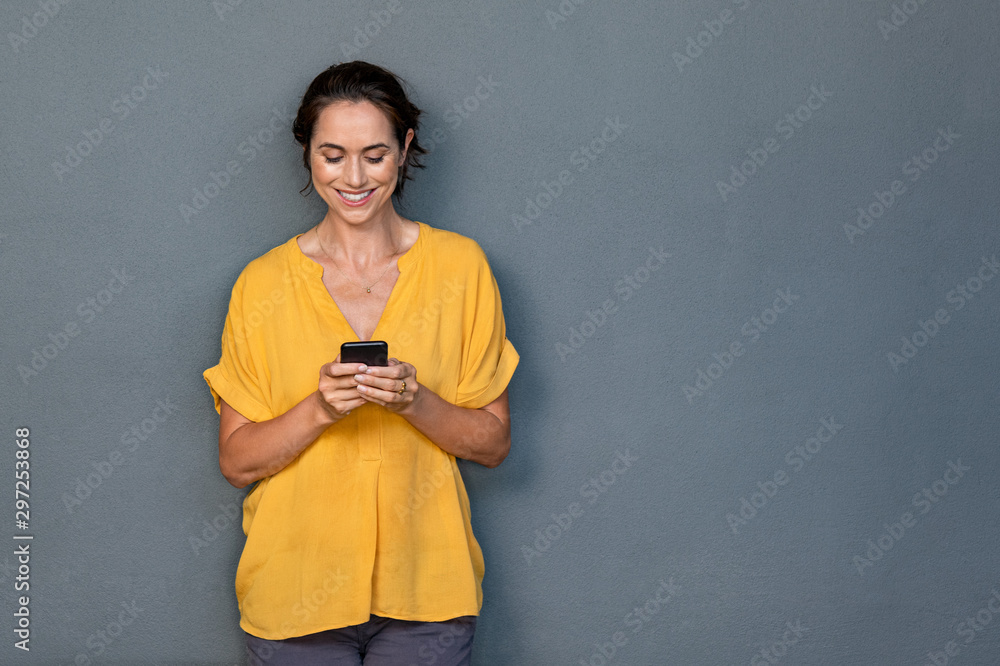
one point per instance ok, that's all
(369, 352)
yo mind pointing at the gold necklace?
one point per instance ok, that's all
(369, 288)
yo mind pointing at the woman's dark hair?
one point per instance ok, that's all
(360, 81)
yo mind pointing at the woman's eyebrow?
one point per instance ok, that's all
(341, 148)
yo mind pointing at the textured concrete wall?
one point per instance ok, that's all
(748, 255)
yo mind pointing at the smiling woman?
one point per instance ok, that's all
(335, 449)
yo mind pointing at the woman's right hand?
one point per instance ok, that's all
(250, 451)
(338, 390)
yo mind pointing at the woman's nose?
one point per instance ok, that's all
(354, 175)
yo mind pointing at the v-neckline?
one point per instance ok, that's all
(403, 264)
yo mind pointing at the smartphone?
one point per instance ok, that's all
(369, 352)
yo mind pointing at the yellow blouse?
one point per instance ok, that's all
(372, 517)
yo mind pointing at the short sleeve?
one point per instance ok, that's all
(236, 377)
(488, 357)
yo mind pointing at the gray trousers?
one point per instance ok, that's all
(381, 641)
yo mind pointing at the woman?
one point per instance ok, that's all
(359, 542)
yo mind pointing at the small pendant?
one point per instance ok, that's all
(369, 290)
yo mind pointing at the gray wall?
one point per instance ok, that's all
(771, 312)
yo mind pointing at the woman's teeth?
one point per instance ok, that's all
(356, 197)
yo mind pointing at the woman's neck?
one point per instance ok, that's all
(361, 244)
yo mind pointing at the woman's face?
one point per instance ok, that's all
(355, 160)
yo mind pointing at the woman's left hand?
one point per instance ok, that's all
(382, 385)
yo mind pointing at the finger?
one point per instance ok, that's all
(387, 389)
(388, 379)
(395, 371)
(336, 369)
(380, 397)
(374, 383)
(335, 373)
(330, 367)
(378, 393)
(347, 401)
(369, 394)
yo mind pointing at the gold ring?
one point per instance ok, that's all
(400, 391)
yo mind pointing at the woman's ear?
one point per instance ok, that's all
(406, 145)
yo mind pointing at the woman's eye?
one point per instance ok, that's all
(372, 160)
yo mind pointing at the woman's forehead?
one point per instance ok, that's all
(357, 122)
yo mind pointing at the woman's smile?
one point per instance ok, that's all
(356, 198)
